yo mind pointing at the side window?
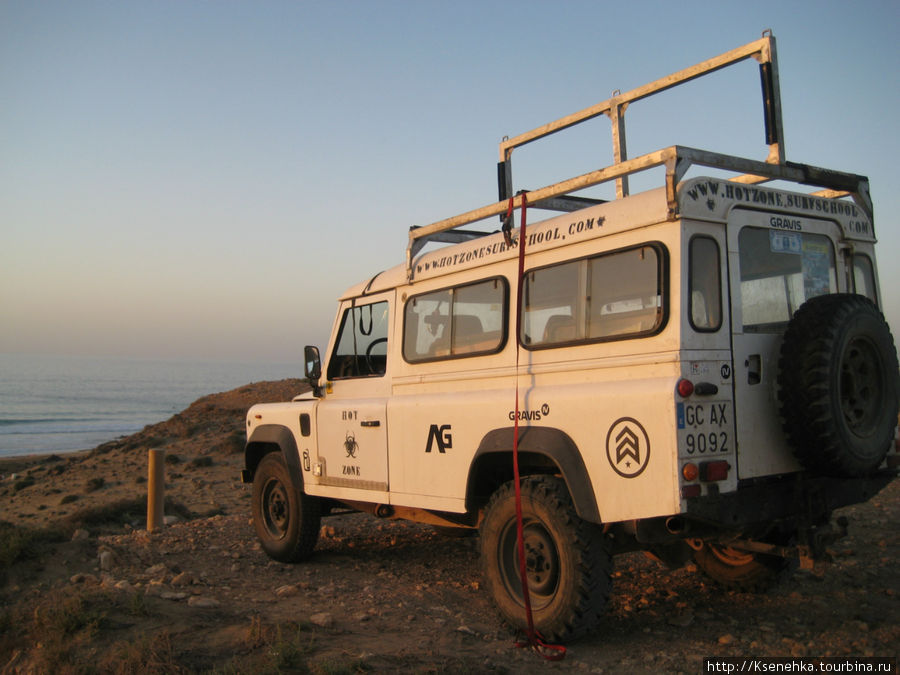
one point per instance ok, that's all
(864, 277)
(361, 349)
(614, 296)
(454, 322)
(705, 285)
(779, 272)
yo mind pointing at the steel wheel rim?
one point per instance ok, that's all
(542, 565)
(276, 508)
(861, 386)
(731, 556)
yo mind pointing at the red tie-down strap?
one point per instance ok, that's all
(533, 639)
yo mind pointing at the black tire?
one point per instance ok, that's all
(838, 385)
(735, 569)
(286, 520)
(568, 560)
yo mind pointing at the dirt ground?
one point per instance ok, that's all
(92, 591)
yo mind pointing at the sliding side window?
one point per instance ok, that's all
(455, 322)
(614, 296)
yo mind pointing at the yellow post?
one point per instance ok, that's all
(156, 489)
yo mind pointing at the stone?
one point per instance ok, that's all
(286, 591)
(81, 535)
(170, 595)
(322, 619)
(682, 619)
(106, 560)
(154, 570)
(183, 579)
(202, 602)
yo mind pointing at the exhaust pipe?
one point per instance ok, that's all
(676, 525)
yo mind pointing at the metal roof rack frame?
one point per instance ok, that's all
(676, 159)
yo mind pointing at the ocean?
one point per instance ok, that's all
(57, 404)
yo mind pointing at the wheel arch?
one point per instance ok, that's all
(541, 450)
(269, 438)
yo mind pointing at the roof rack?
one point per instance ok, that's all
(676, 159)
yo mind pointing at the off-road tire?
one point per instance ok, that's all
(838, 385)
(568, 560)
(286, 520)
(739, 570)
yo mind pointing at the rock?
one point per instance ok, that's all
(202, 602)
(286, 591)
(154, 589)
(726, 639)
(123, 586)
(154, 570)
(81, 535)
(170, 595)
(322, 619)
(171, 520)
(82, 578)
(682, 619)
(94, 484)
(183, 579)
(106, 560)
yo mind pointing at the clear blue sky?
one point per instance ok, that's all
(202, 179)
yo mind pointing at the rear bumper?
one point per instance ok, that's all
(793, 496)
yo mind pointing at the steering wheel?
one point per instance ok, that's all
(369, 351)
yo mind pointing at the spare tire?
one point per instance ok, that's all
(838, 385)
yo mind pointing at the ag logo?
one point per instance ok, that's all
(627, 447)
(440, 436)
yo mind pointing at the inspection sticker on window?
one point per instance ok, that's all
(785, 242)
(704, 428)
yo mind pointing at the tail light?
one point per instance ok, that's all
(714, 471)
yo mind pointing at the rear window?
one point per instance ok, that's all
(705, 285)
(864, 277)
(779, 272)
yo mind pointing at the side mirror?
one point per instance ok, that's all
(313, 368)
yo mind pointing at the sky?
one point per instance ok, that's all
(201, 180)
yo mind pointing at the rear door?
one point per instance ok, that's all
(776, 262)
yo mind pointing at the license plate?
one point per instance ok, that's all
(704, 428)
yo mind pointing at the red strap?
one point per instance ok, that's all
(533, 638)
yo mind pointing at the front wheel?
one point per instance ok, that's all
(567, 560)
(286, 520)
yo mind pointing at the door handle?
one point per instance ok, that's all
(370, 423)
(754, 369)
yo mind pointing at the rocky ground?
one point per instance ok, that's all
(86, 589)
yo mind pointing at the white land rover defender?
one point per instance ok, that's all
(700, 371)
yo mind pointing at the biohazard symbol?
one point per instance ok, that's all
(350, 445)
(627, 447)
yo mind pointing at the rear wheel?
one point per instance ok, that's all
(567, 560)
(286, 520)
